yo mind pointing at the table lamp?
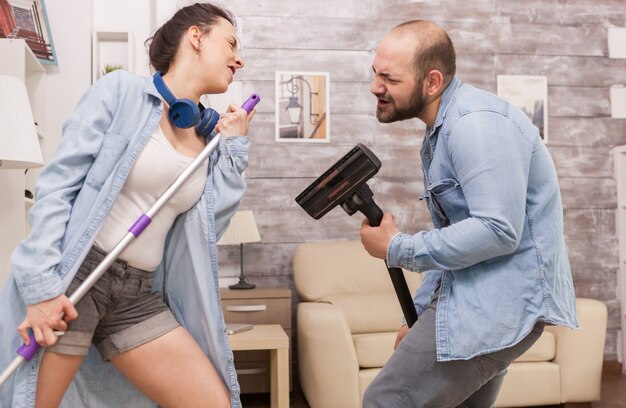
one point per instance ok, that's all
(242, 230)
(19, 145)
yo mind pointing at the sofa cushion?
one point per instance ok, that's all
(372, 313)
(530, 384)
(374, 349)
(366, 376)
(544, 349)
(324, 269)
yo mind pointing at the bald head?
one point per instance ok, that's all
(433, 48)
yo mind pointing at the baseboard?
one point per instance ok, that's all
(612, 367)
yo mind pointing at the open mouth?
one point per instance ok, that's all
(382, 102)
(232, 70)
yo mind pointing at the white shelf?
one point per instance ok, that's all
(111, 47)
(17, 60)
(32, 63)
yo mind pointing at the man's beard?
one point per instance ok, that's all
(415, 107)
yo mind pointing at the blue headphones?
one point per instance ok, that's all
(183, 113)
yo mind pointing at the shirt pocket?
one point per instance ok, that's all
(448, 200)
(112, 148)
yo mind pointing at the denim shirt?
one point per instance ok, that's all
(74, 193)
(497, 252)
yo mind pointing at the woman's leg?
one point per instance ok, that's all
(173, 371)
(56, 372)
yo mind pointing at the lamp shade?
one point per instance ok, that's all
(294, 109)
(19, 145)
(242, 229)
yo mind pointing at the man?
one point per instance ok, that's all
(496, 262)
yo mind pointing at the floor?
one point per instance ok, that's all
(613, 395)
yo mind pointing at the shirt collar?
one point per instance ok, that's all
(150, 88)
(446, 98)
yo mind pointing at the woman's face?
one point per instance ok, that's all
(219, 57)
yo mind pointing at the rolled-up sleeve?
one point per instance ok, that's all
(228, 181)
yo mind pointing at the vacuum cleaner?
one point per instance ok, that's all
(345, 184)
(27, 352)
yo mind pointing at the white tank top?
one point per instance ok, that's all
(156, 168)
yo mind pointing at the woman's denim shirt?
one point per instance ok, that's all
(497, 252)
(74, 194)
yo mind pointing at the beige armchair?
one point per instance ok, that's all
(349, 316)
(347, 320)
(563, 366)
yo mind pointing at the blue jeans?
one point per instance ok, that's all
(413, 378)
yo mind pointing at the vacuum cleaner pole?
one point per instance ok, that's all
(362, 200)
(26, 352)
(345, 184)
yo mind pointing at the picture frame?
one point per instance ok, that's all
(530, 94)
(302, 107)
(28, 20)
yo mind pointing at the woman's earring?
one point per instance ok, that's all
(198, 48)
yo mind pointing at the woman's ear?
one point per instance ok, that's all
(193, 37)
(433, 82)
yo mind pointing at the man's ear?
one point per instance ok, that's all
(433, 82)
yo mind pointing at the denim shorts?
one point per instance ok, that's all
(118, 313)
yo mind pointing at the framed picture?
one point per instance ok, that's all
(27, 19)
(302, 107)
(530, 94)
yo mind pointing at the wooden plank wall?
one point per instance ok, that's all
(566, 40)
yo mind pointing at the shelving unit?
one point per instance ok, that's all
(19, 61)
(620, 228)
(111, 47)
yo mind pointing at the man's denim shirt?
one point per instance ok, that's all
(497, 252)
(100, 143)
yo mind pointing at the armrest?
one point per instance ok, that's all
(329, 369)
(580, 353)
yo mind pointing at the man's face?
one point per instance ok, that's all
(400, 95)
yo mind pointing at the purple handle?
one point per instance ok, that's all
(251, 102)
(140, 225)
(29, 351)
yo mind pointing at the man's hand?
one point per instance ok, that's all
(45, 317)
(403, 332)
(376, 239)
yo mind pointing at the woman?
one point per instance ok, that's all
(155, 314)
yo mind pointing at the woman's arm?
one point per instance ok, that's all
(35, 259)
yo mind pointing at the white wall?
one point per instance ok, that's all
(141, 17)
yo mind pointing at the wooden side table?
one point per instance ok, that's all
(258, 306)
(273, 338)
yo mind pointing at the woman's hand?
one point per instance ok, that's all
(46, 317)
(234, 122)
(403, 332)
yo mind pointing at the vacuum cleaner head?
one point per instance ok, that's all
(339, 182)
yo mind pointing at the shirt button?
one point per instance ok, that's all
(426, 156)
